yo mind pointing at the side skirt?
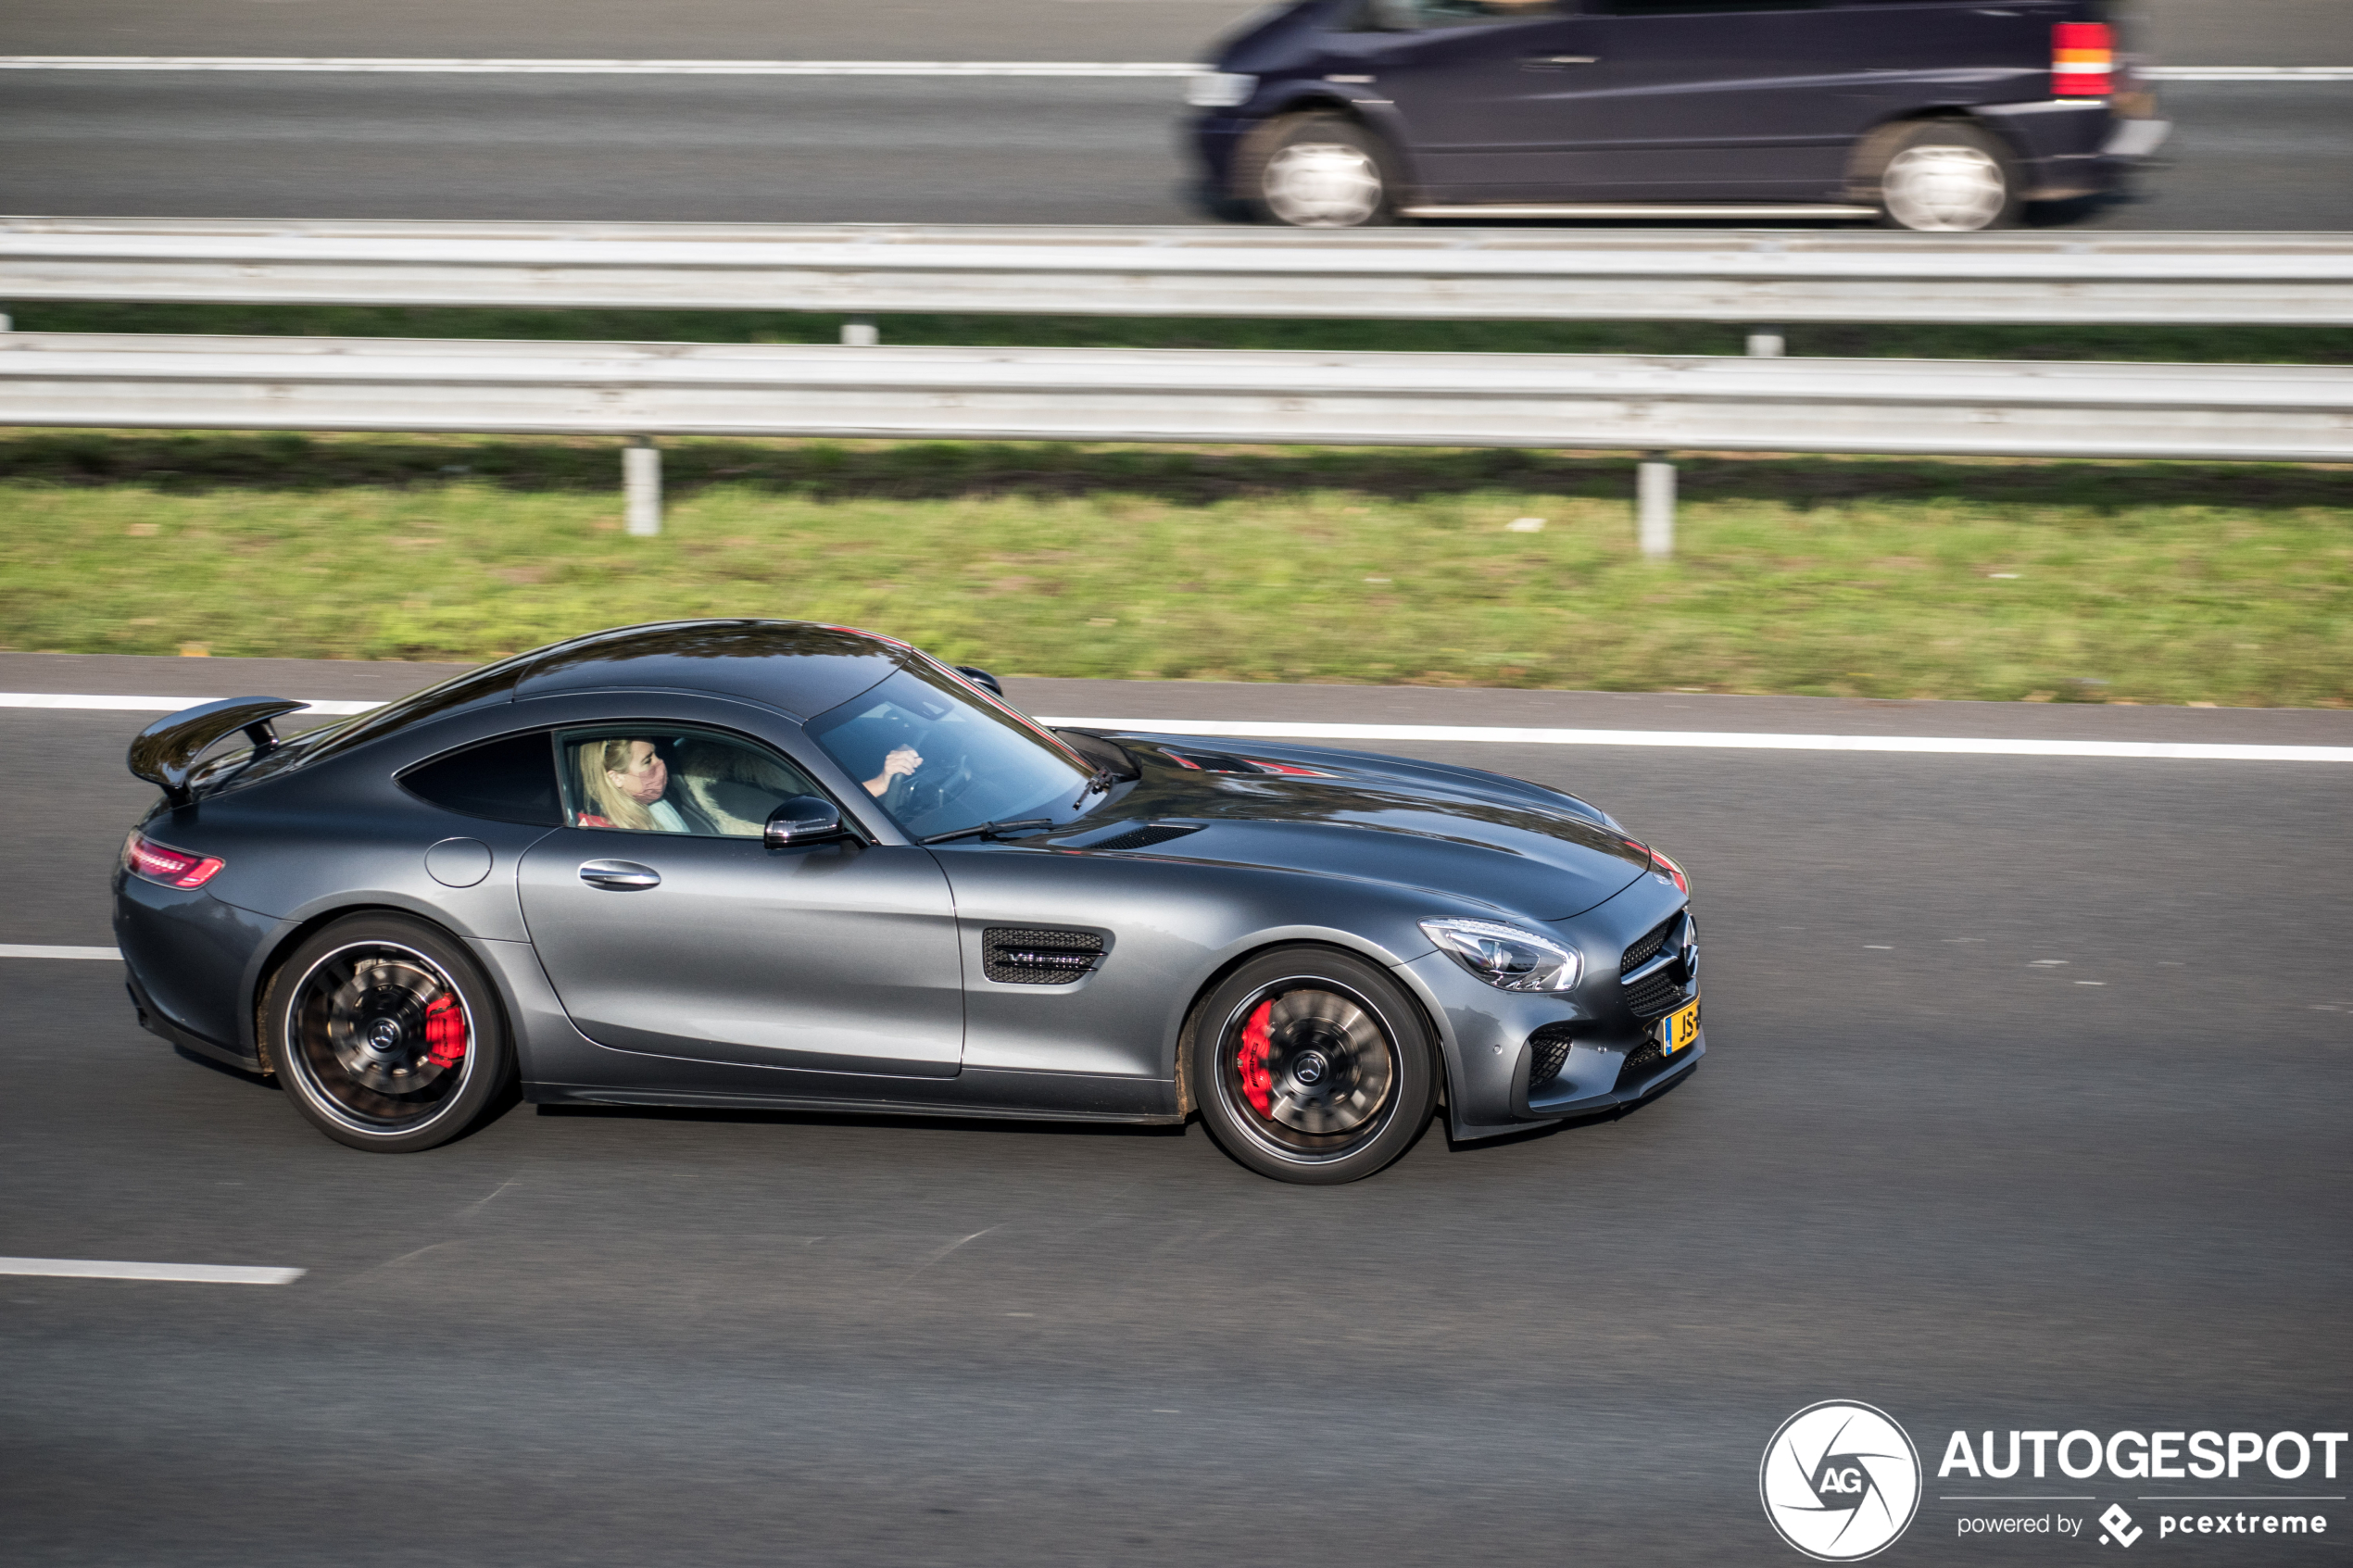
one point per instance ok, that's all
(567, 1094)
(1644, 209)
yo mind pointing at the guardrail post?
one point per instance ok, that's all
(860, 331)
(1655, 504)
(1765, 345)
(641, 485)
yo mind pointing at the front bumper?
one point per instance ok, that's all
(1487, 1040)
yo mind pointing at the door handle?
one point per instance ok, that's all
(618, 876)
(1553, 62)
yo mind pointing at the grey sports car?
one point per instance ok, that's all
(761, 864)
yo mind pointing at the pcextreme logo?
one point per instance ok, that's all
(1841, 1481)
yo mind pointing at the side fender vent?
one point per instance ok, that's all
(1017, 956)
(1143, 837)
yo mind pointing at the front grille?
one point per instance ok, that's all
(1547, 1054)
(1014, 956)
(1656, 996)
(1640, 1064)
(1663, 990)
(1145, 837)
(1646, 946)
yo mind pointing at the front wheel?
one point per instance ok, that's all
(1942, 177)
(1320, 172)
(1311, 1066)
(385, 1035)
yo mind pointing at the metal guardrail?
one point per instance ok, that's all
(1652, 404)
(1779, 276)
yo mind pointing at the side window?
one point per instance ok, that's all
(1700, 8)
(1408, 16)
(659, 779)
(512, 780)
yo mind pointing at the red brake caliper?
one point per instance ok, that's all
(445, 1032)
(1258, 1085)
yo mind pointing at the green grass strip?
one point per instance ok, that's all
(2284, 345)
(2148, 582)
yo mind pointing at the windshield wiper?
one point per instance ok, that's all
(989, 829)
(1099, 784)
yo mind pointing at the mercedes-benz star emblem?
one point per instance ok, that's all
(1309, 1068)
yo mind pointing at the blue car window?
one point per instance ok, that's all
(940, 758)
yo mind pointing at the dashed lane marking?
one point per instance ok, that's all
(37, 950)
(186, 1273)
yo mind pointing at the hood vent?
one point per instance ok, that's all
(1143, 837)
(1028, 956)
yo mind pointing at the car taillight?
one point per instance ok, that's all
(143, 857)
(2083, 60)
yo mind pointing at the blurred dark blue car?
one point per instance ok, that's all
(1925, 114)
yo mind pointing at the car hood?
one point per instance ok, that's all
(1456, 831)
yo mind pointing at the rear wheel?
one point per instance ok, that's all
(1313, 1066)
(1944, 177)
(1321, 171)
(386, 1033)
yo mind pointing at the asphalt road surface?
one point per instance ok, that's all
(2026, 1109)
(2245, 155)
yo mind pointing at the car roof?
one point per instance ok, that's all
(798, 666)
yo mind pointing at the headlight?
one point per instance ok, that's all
(1506, 957)
(1218, 89)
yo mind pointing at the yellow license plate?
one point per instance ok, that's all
(1679, 1028)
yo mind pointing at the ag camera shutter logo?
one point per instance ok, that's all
(1841, 1481)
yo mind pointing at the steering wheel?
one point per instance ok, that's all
(930, 787)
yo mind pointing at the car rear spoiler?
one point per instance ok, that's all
(165, 752)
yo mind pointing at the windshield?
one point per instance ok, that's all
(940, 758)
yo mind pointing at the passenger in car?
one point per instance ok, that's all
(626, 785)
(734, 786)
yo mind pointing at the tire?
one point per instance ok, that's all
(385, 1035)
(1944, 177)
(1311, 1066)
(1320, 172)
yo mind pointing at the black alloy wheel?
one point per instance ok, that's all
(1310, 1065)
(385, 1035)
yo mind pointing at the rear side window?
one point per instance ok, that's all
(512, 780)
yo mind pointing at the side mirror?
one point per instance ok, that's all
(980, 677)
(804, 819)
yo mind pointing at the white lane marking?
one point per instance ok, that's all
(1728, 740)
(1734, 740)
(188, 1274)
(21, 950)
(395, 66)
(445, 65)
(2248, 73)
(156, 704)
